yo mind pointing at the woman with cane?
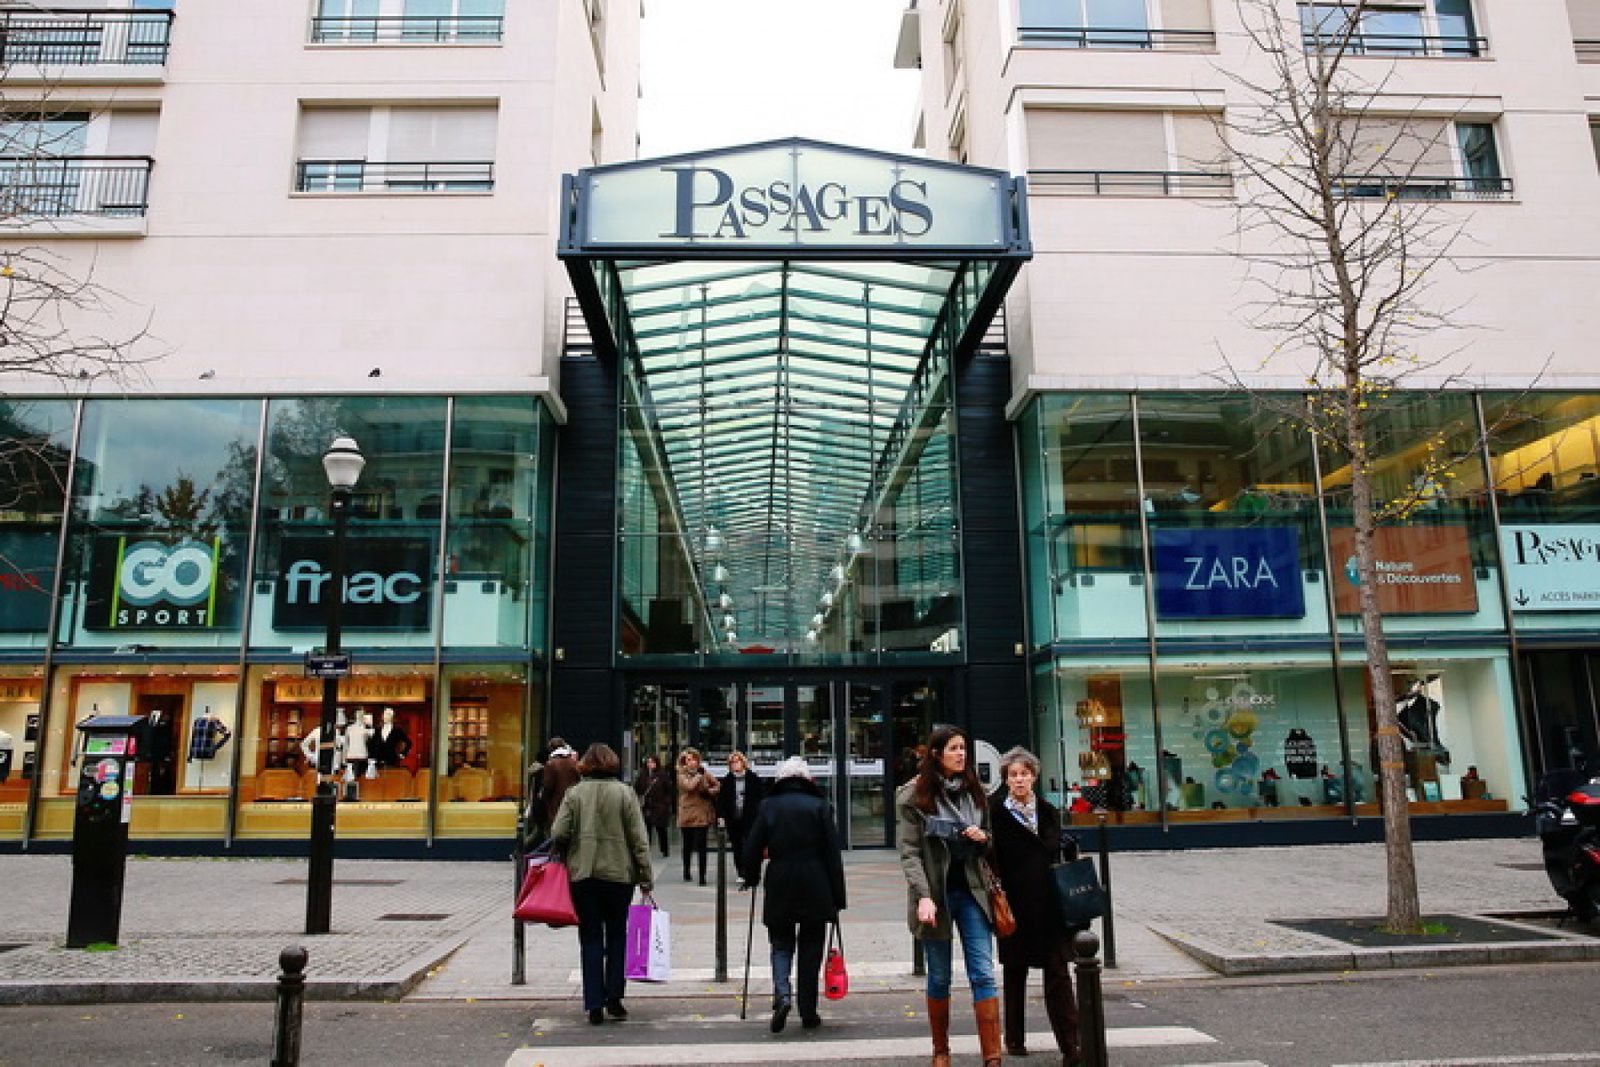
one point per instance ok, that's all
(796, 834)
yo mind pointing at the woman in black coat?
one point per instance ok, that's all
(805, 883)
(1027, 840)
(739, 803)
(657, 789)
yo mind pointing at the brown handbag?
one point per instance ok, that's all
(1005, 923)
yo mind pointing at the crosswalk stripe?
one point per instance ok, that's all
(701, 975)
(1487, 1061)
(812, 1050)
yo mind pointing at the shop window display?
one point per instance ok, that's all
(35, 439)
(484, 774)
(1103, 755)
(19, 738)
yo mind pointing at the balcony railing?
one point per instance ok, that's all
(1397, 44)
(33, 187)
(1423, 187)
(416, 29)
(1587, 49)
(81, 37)
(1135, 182)
(365, 176)
(1112, 38)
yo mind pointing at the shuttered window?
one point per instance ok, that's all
(1127, 151)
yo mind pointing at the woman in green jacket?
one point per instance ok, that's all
(607, 849)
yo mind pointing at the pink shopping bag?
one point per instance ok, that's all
(546, 895)
(649, 949)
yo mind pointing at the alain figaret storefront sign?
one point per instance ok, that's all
(1552, 567)
(1228, 573)
(795, 194)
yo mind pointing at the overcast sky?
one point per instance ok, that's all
(729, 72)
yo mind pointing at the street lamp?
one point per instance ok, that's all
(342, 463)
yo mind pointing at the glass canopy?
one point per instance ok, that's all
(788, 476)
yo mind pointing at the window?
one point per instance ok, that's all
(47, 171)
(1118, 24)
(396, 149)
(1594, 136)
(1401, 28)
(954, 54)
(409, 21)
(1585, 18)
(1421, 159)
(597, 30)
(1127, 152)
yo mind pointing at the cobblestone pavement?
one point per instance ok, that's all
(190, 925)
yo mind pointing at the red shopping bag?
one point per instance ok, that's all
(546, 894)
(835, 979)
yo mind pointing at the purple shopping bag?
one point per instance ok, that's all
(649, 949)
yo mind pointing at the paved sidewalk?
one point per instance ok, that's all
(213, 928)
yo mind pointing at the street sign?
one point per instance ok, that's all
(323, 665)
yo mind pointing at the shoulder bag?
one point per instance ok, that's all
(1005, 923)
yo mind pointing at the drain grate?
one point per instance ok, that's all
(414, 917)
(1521, 866)
(347, 881)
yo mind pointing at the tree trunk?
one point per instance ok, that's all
(1404, 910)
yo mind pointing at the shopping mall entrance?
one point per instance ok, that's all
(786, 516)
(859, 737)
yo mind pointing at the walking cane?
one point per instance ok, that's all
(749, 939)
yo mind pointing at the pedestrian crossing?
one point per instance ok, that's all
(818, 1048)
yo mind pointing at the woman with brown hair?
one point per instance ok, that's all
(942, 831)
(697, 807)
(1027, 840)
(607, 849)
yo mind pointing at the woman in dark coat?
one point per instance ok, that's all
(739, 803)
(795, 831)
(656, 788)
(1027, 840)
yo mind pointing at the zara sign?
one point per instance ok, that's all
(1210, 573)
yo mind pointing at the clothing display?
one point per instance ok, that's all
(389, 743)
(1419, 717)
(7, 746)
(1300, 754)
(207, 735)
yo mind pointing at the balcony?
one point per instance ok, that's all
(35, 187)
(1146, 40)
(1190, 183)
(1397, 45)
(365, 176)
(1422, 187)
(408, 29)
(79, 37)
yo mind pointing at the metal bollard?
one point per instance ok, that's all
(291, 1000)
(1091, 1007)
(919, 962)
(1108, 923)
(519, 938)
(722, 906)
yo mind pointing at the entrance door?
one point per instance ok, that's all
(1566, 710)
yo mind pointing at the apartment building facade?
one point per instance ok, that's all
(303, 219)
(1194, 649)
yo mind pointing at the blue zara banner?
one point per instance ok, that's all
(1252, 572)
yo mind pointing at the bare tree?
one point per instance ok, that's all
(1343, 233)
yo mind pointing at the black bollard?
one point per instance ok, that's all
(1108, 924)
(722, 905)
(919, 962)
(1091, 1007)
(291, 1000)
(519, 939)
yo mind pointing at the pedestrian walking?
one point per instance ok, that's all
(942, 832)
(796, 832)
(1027, 840)
(601, 833)
(697, 808)
(559, 775)
(739, 803)
(656, 790)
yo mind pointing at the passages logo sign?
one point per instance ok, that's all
(1552, 568)
(387, 584)
(1228, 573)
(1422, 570)
(142, 583)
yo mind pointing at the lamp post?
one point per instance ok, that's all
(342, 463)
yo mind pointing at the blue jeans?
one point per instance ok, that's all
(602, 909)
(968, 919)
(784, 938)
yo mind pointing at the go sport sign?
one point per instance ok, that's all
(142, 583)
(794, 193)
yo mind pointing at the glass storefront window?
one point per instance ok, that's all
(481, 751)
(35, 443)
(1435, 539)
(1097, 738)
(160, 521)
(495, 509)
(384, 762)
(395, 519)
(20, 690)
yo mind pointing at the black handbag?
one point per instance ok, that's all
(1079, 895)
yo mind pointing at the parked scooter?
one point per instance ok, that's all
(1566, 812)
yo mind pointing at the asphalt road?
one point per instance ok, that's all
(1487, 1016)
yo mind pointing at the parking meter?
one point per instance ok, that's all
(107, 747)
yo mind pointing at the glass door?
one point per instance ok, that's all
(870, 804)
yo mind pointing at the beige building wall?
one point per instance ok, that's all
(240, 276)
(1134, 289)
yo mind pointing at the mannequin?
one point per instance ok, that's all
(389, 744)
(207, 735)
(7, 745)
(1419, 715)
(356, 736)
(311, 745)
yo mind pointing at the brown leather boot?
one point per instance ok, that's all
(988, 1013)
(939, 1025)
